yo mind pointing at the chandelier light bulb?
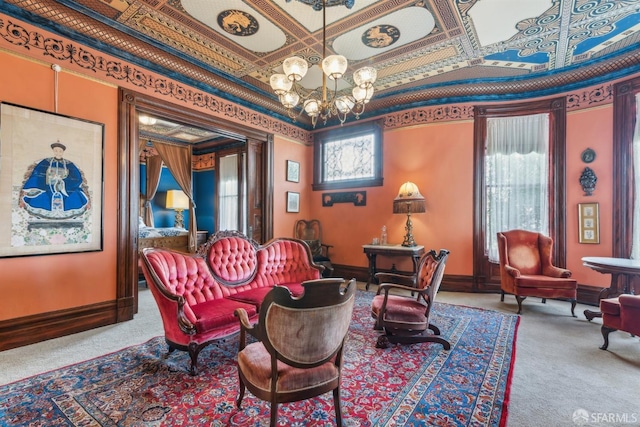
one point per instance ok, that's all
(312, 107)
(280, 84)
(334, 66)
(362, 95)
(344, 104)
(365, 77)
(295, 68)
(290, 99)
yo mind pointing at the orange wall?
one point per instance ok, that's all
(590, 128)
(439, 159)
(286, 149)
(38, 284)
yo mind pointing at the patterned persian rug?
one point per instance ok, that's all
(412, 385)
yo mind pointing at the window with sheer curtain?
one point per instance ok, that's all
(635, 243)
(228, 194)
(516, 176)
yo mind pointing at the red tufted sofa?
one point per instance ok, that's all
(198, 293)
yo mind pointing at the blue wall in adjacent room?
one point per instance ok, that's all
(204, 197)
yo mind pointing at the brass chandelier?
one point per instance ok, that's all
(329, 102)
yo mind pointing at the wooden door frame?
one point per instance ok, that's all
(130, 105)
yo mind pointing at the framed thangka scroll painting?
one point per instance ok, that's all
(51, 183)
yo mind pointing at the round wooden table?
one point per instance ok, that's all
(621, 269)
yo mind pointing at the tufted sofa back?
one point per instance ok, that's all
(284, 261)
(240, 263)
(232, 259)
(184, 275)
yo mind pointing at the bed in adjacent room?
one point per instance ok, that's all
(169, 237)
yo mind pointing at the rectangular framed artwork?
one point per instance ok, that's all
(293, 201)
(589, 222)
(51, 183)
(293, 171)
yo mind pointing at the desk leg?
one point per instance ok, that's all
(372, 269)
(610, 292)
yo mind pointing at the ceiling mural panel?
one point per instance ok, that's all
(425, 51)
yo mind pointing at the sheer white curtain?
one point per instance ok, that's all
(635, 244)
(228, 201)
(516, 176)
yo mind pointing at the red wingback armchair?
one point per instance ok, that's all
(620, 314)
(526, 269)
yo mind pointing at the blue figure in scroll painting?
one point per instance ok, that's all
(55, 188)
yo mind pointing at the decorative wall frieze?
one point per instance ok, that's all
(38, 44)
(579, 100)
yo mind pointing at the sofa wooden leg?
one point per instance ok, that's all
(194, 350)
(573, 307)
(501, 296)
(605, 334)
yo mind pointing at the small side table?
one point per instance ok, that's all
(372, 251)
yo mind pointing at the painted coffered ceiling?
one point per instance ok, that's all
(426, 52)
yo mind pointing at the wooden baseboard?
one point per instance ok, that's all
(40, 327)
(460, 283)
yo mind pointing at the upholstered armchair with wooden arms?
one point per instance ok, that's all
(404, 318)
(526, 269)
(300, 341)
(620, 314)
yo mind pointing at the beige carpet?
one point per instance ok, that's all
(559, 368)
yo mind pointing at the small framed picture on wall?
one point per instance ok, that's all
(293, 201)
(589, 222)
(293, 171)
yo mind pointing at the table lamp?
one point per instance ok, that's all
(409, 200)
(177, 201)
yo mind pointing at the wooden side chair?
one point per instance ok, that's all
(311, 232)
(406, 319)
(300, 341)
(526, 269)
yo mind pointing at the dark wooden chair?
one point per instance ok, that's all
(526, 269)
(311, 232)
(298, 353)
(405, 318)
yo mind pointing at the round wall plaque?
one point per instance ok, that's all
(588, 155)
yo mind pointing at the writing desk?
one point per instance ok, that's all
(621, 269)
(372, 252)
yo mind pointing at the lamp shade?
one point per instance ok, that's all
(409, 200)
(176, 199)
